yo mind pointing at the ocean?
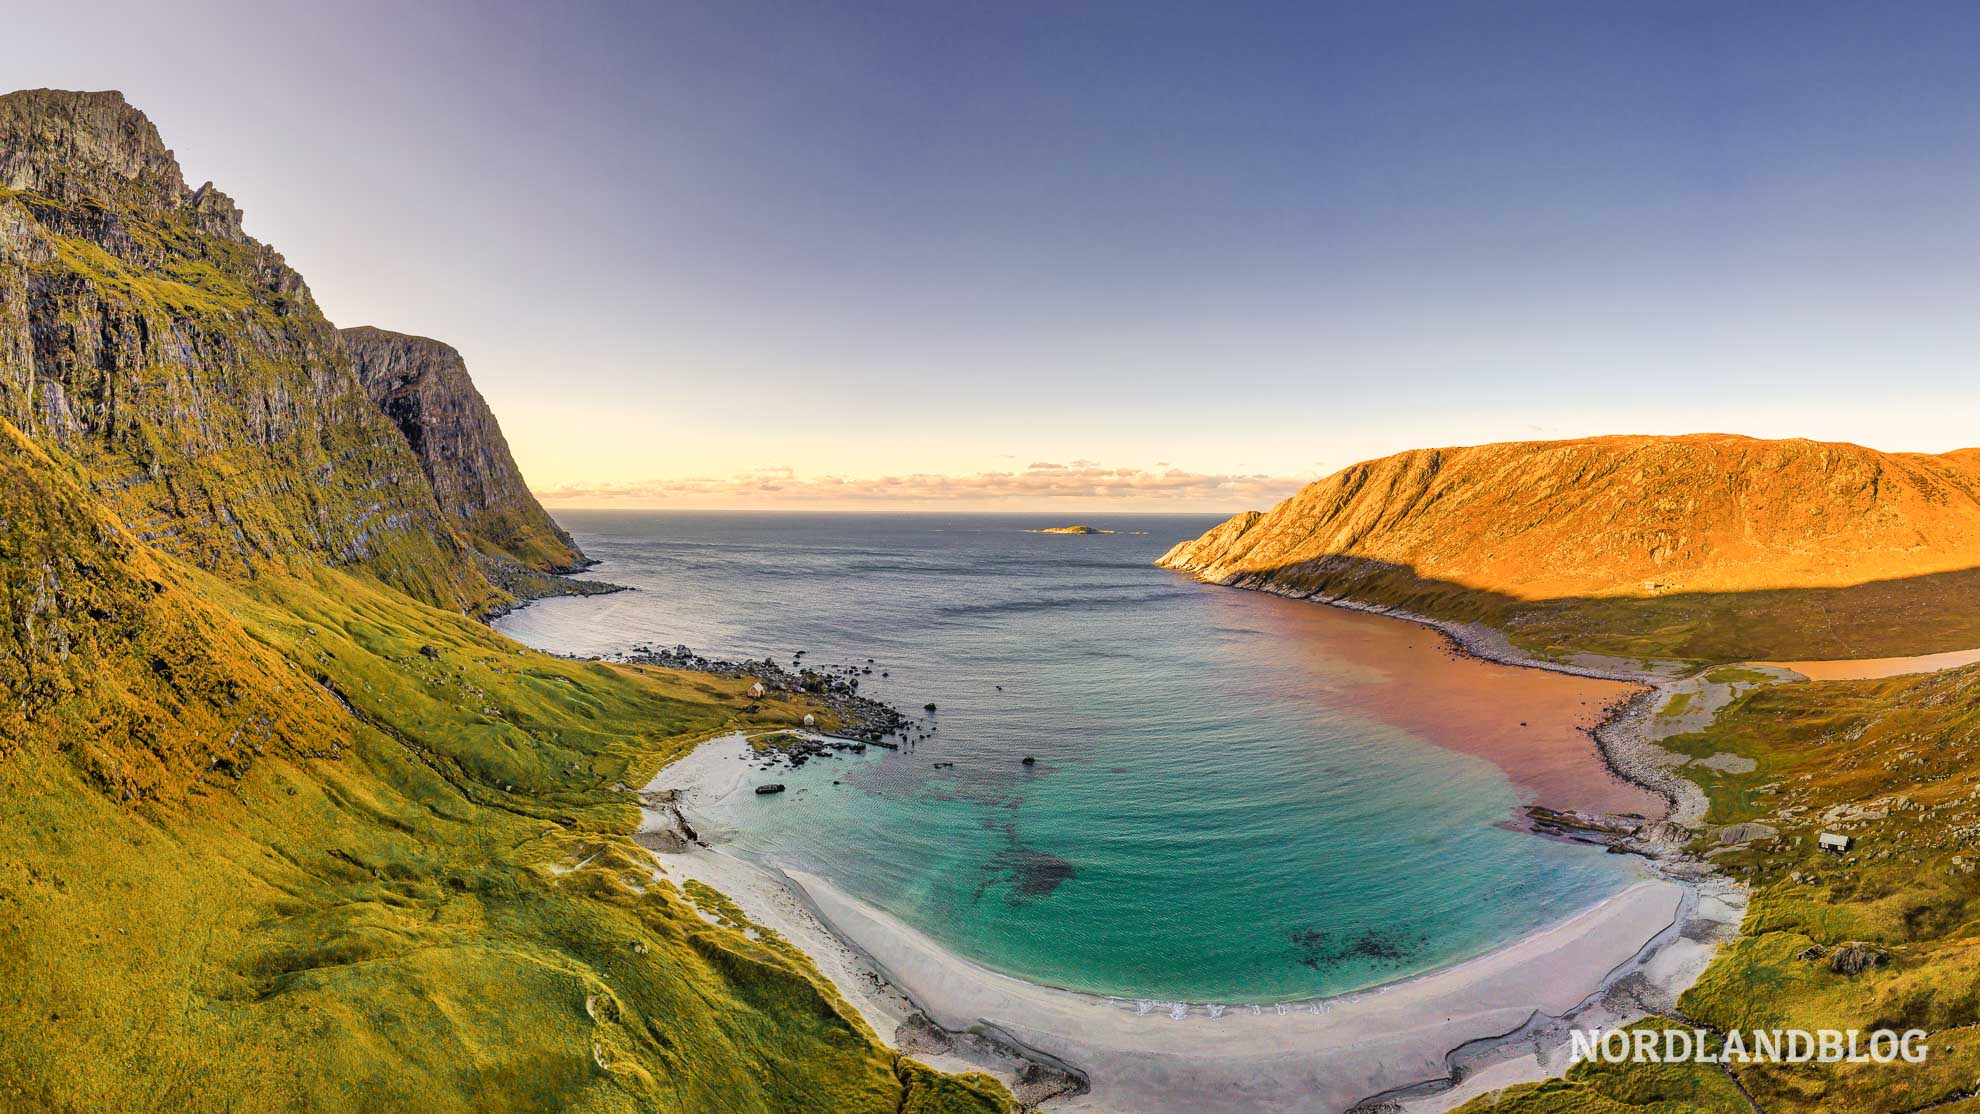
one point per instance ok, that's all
(1235, 797)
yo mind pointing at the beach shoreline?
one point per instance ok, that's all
(1405, 1041)
(1642, 960)
(1622, 737)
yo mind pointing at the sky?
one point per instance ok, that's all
(1085, 255)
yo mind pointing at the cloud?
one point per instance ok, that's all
(1083, 481)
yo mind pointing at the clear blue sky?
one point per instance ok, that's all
(802, 243)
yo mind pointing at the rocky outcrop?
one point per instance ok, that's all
(1214, 547)
(185, 369)
(423, 386)
(90, 149)
(1855, 957)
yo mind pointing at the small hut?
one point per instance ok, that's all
(1832, 842)
(810, 720)
(757, 690)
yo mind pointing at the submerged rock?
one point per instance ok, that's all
(1037, 873)
(773, 787)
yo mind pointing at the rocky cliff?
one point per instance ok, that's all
(1499, 532)
(423, 386)
(185, 368)
(279, 834)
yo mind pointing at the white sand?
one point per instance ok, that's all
(1136, 1056)
(1364, 1044)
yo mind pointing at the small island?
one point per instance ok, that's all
(1070, 530)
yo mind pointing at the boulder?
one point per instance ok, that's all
(1746, 833)
(1852, 957)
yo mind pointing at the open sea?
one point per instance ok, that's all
(1237, 798)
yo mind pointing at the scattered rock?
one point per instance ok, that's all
(1663, 835)
(920, 1036)
(1852, 957)
(1746, 833)
(773, 787)
(858, 717)
(1872, 810)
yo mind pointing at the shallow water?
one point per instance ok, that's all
(1236, 797)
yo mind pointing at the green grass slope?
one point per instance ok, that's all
(261, 850)
(1892, 764)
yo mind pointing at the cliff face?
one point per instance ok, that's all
(1504, 532)
(422, 385)
(186, 368)
(279, 836)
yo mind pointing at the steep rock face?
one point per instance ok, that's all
(186, 367)
(1615, 516)
(423, 386)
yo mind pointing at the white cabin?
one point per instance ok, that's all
(1830, 841)
(810, 720)
(757, 689)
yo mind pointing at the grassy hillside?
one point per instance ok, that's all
(301, 843)
(1706, 547)
(279, 829)
(1891, 763)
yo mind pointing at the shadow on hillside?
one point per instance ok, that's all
(1880, 618)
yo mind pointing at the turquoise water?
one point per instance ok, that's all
(1220, 810)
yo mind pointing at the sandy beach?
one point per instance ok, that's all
(1506, 1010)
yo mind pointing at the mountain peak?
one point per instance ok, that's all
(72, 145)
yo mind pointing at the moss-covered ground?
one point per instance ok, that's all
(1891, 763)
(301, 843)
